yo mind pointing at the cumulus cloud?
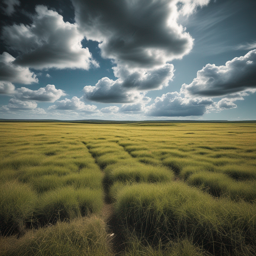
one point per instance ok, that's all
(126, 89)
(49, 93)
(225, 103)
(111, 109)
(174, 105)
(6, 88)
(16, 104)
(9, 72)
(74, 104)
(48, 42)
(142, 79)
(9, 6)
(109, 91)
(139, 33)
(131, 108)
(235, 76)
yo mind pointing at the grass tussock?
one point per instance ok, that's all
(83, 236)
(176, 211)
(136, 172)
(219, 184)
(184, 247)
(17, 204)
(67, 203)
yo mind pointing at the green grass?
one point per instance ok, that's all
(135, 172)
(79, 237)
(178, 189)
(17, 203)
(67, 203)
(219, 184)
(175, 210)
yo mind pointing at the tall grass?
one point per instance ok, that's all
(17, 203)
(83, 236)
(50, 172)
(176, 211)
(136, 172)
(67, 203)
(219, 184)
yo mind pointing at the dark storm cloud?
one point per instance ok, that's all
(139, 33)
(9, 72)
(48, 42)
(174, 105)
(9, 6)
(236, 76)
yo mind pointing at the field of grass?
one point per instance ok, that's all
(127, 189)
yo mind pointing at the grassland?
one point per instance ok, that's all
(127, 189)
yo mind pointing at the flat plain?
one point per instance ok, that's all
(127, 189)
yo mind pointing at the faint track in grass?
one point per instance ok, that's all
(115, 231)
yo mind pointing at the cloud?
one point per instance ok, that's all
(226, 103)
(248, 46)
(111, 109)
(9, 6)
(109, 91)
(6, 88)
(142, 79)
(131, 108)
(16, 104)
(126, 89)
(235, 76)
(9, 72)
(174, 105)
(74, 104)
(48, 42)
(49, 93)
(139, 33)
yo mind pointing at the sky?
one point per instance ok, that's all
(128, 59)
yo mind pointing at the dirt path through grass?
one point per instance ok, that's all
(115, 231)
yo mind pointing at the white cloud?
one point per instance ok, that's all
(48, 42)
(226, 103)
(16, 104)
(130, 86)
(131, 108)
(9, 6)
(6, 88)
(235, 76)
(49, 93)
(174, 105)
(9, 72)
(248, 46)
(74, 104)
(111, 109)
(109, 91)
